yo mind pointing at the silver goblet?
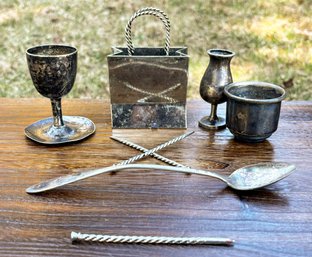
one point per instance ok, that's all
(217, 75)
(53, 71)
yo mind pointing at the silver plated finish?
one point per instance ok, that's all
(75, 128)
(53, 71)
(142, 149)
(246, 178)
(148, 11)
(155, 149)
(77, 237)
(64, 180)
(217, 75)
(253, 109)
(148, 85)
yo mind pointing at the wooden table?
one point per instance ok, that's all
(275, 221)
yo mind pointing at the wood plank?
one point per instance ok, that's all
(273, 221)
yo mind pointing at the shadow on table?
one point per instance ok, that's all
(259, 197)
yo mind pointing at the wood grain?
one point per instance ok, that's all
(275, 221)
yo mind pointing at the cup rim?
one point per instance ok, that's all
(255, 83)
(214, 52)
(51, 45)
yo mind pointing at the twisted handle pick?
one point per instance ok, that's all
(77, 237)
(142, 149)
(157, 148)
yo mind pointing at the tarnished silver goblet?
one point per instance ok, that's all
(53, 71)
(217, 75)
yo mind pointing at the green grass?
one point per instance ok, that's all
(272, 39)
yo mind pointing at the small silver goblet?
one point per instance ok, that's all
(53, 71)
(217, 75)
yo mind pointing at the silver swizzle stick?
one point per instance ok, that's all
(142, 149)
(77, 237)
(155, 149)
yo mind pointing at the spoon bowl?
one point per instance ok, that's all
(246, 178)
(259, 175)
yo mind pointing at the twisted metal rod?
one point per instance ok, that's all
(155, 149)
(76, 237)
(148, 11)
(142, 149)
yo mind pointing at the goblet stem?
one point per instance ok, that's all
(213, 113)
(57, 113)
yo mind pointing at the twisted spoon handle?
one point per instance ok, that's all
(76, 237)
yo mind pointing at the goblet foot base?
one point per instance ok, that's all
(75, 128)
(207, 124)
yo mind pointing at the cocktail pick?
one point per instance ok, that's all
(221, 165)
(77, 237)
(142, 149)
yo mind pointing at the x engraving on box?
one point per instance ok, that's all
(161, 94)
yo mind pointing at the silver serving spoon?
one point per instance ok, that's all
(246, 178)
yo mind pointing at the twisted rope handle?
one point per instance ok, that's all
(148, 11)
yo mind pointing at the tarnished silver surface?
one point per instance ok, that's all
(53, 71)
(217, 75)
(148, 86)
(142, 149)
(149, 116)
(75, 128)
(150, 72)
(77, 237)
(64, 180)
(246, 178)
(253, 109)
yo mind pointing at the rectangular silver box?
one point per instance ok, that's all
(148, 89)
